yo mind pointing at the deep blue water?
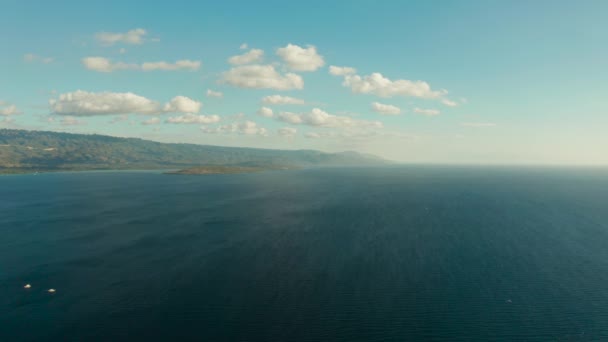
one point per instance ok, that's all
(386, 254)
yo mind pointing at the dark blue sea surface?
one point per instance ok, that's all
(369, 254)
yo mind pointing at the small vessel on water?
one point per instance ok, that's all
(27, 286)
(52, 290)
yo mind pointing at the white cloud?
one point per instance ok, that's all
(282, 100)
(213, 93)
(32, 58)
(265, 112)
(292, 118)
(319, 118)
(449, 102)
(379, 85)
(9, 109)
(478, 124)
(385, 109)
(261, 77)
(253, 56)
(251, 128)
(151, 121)
(427, 112)
(134, 37)
(102, 64)
(83, 103)
(244, 128)
(244, 46)
(184, 64)
(194, 119)
(341, 71)
(312, 135)
(301, 59)
(182, 104)
(287, 132)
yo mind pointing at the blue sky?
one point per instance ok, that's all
(505, 82)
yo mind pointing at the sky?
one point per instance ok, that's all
(463, 82)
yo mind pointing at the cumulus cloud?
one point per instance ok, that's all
(312, 135)
(341, 71)
(301, 59)
(33, 58)
(182, 104)
(83, 103)
(253, 56)
(151, 121)
(319, 118)
(213, 93)
(133, 37)
(287, 132)
(102, 64)
(292, 118)
(243, 46)
(265, 112)
(194, 119)
(427, 112)
(261, 77)
(282, 100)
(244, 128)
(379, 85)
(385, 109)
(8, 109)
(250, 128)
(478, 124)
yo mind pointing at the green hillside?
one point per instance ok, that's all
(22, 150)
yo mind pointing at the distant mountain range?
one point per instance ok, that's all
(26, 151)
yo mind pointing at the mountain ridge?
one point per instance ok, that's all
(30, 150)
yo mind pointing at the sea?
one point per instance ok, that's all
(399, 253)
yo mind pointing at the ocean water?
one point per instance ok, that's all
(369, 254)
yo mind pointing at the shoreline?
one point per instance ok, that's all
(36, 172)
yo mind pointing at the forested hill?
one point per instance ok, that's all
(47, 151)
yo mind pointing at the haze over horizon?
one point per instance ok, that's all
(482, 82)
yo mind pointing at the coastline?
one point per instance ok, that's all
(197, 170)
(35, 172)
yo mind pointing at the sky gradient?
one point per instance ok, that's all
(482, 82)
